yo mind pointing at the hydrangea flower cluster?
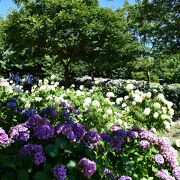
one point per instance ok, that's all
(72, 131)
(50, 110)
(44, 131)
(19, 133)
(36, 150)
(29, 112)
(159, 159)
(4, 139)
(87, 166)
(59, 172)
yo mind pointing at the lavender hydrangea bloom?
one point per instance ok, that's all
(59, 172)
(115, 128)
(163, 174)
(44, 131)
(149, 136)
(39, 158)
(176, 173)
(87, 166)
(36, 120)
(3, 137)
(169, 153)
(116, 142)
(125, 178)
(159, 159)
(144, 144)
(19, 133)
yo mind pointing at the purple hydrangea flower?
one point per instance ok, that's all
(87, 166)
(115, 128)
(163, 174)
(30, 148)
(149, 136)
(125, 178)
(133, 134)
(176, 172)
(66, 130)
(121, 132)
(3, 137)
(159, 159)
(108, 173)
(59, 172)
(44, 131)
(19, 133)
(39, 158)
(169, 153)
(116, 142)
(79, 130)
(76, 111)
(36, 120)
(91, 137)
(144, 144)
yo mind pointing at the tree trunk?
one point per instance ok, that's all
(67, 76)
(148, 77)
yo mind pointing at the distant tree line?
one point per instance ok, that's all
(73, 38)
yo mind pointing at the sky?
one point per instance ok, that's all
(6, 5)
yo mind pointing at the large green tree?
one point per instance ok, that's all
(68, 32)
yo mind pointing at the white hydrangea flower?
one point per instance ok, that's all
(155, 115)
(156, 105)
(81, 87)
(161, 97)
(110, 94)
(72, 85)
(126, 97)
(53, 77)
(38, 99)
(167, 125)
(165, 116)
(119, 122)
(27, 105)
(148, 95)
(129, 87)
(147, 111)
(124, 105)
(169, 103)
(153, 130)
(95, 103)
(164, 110)
(177, 143)
(46, 81)
(105, 116)
(109, 112)
(40, 81)
(93, 129)
(133, 103)
(119, 100)
(88, 100)
(138, 98)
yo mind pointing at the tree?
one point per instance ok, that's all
(68, 32)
